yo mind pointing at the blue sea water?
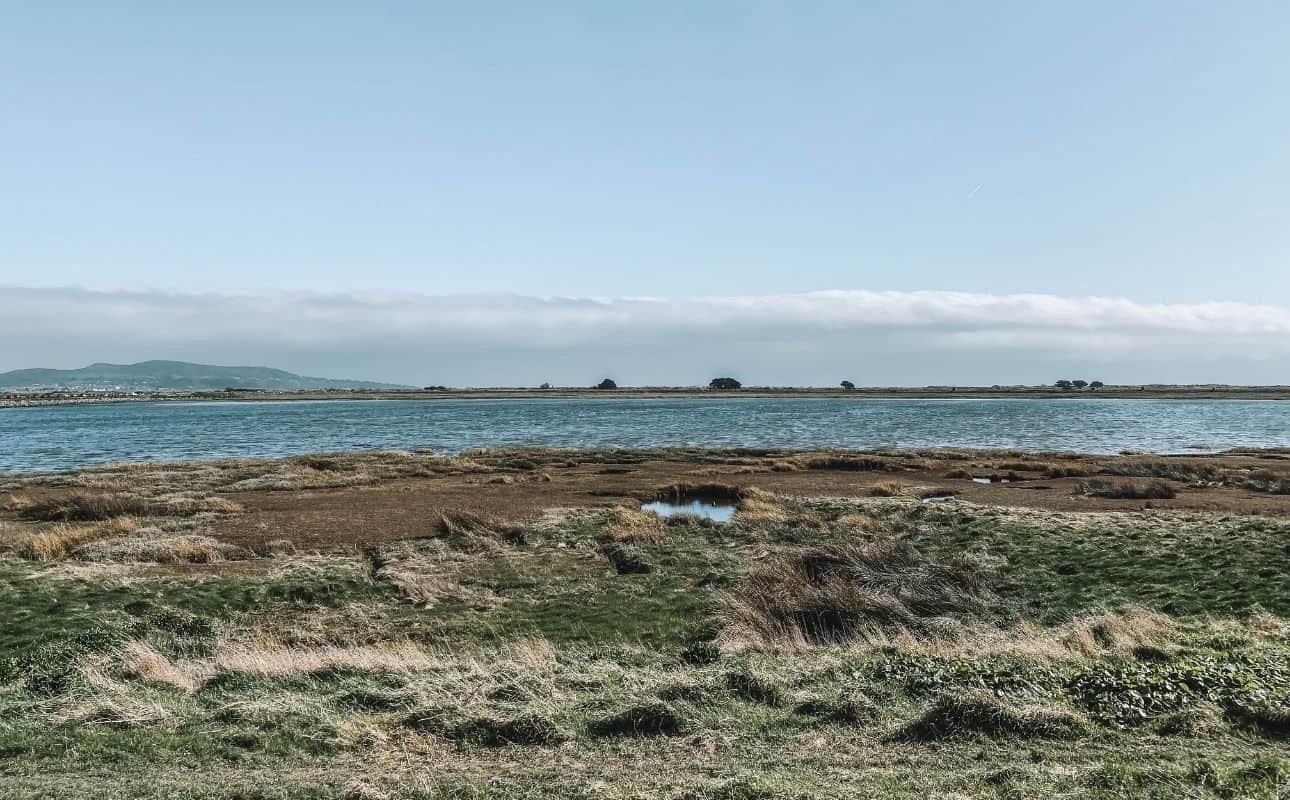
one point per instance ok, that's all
(66, 437)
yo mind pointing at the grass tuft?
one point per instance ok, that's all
(844, 708)
(525, 729)
(977, 713)
(887, 489)
(843, 591)
(625, 559)
(646, 719)
(754, 688)
(1153, 490)
(1267, 716)
(633, 525)
(1199, 721)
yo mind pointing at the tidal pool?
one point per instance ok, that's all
(708, 509)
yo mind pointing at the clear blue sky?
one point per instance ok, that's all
(691, 148)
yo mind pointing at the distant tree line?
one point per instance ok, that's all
(716, 384)
(1067, 385)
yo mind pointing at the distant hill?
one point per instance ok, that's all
(173, 375)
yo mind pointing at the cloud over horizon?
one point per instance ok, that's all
(812, 338)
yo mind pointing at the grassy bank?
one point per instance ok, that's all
(878, 646)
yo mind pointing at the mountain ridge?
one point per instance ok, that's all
(158, 374)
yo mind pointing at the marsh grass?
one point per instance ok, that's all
(84, 507)
(709, 492)
(626, 524)
(159, 548)
(100, 507)
(60, 540)
(843, 591)
(1185, 471)
(809, 648)
(1153, 490)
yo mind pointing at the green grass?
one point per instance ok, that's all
(40, 609)
(1188, 567)
(548, 674)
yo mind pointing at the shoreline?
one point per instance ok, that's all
(45, 399)
(673, 452)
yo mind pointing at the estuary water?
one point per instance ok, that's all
(52, 438)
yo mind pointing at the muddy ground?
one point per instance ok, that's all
(352, 501)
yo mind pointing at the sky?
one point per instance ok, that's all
(498, 164)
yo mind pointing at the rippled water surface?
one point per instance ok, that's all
(65, 437)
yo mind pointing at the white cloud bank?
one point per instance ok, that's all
(873, 338)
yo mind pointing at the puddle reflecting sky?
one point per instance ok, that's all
(719, 512)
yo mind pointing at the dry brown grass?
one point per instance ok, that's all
(849, 463)
(1055, 471)
(177, 549)
(470, 531)
(761, 510)
(328, 470)
(84, 507)
(362, 790)
(1191, 471)
(59, 541)
(13, 534)
(273, 659)
(15, 502)
(1152, 490)
(887, 489)
(861, 522)
(710, 492)
(1118, 632)
(625, 524)
(1105, 634)
(845, 591)
(118, 712)
(419, 580)
(144, 663)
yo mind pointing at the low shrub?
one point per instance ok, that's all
(1128, 692)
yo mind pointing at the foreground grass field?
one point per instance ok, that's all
(890, 643)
